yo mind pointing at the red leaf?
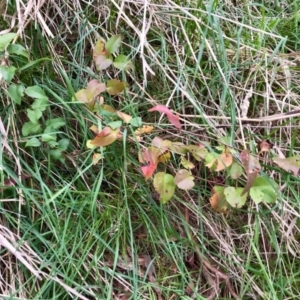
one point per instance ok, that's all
(174, 119)
(149, 158)
(149, 169)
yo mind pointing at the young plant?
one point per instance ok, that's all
(45, 133)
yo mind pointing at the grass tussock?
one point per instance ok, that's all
(74, 230)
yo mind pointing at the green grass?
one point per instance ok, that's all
(98, 229)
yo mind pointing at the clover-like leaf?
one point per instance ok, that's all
(34, 115)
(106, 137)
(173, 119)
(235, 196)
(164, 184)
(7, 72)
(5, 40)
(290, 164)
(63, 144)
(33, 142)
(115, 86)
(40, 104)
(16, 92)
(56, 123)
(184, 179)
(35, 92)
(30, 127)
(263, 189)
(17, 49)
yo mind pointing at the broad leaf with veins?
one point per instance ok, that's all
(101, 56)
(263, 189)
(184, 179)
(218, 201)
(164, 184)
(174, 119)
(106, 137)
(235, 196)
(94, 88)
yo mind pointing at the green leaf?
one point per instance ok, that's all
(40, 104)
(113, 44)
(47, 137)
(63, 144)
(16, 92)
(17, 49)
(121, 62)
(34, 115)
(236, 170)
(33, 142)
(184, 179)
(35, 92)
(5, 40)
(136, 122)
(7, 73)
(263, 189)
(234, 196)
(115, 86)
(164, 184)
(56, 154)
(30, 127)
(114, 125)
(52, 144)
(56, 123)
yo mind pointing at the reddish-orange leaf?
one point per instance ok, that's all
(224, 160)
(218, 201)
(174, 119)
(106, 137)
(148, 169)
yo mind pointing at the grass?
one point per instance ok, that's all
(96, 231)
